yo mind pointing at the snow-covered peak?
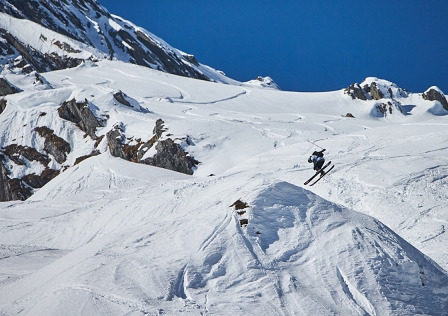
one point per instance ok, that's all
(435, 88)
(376, 89)
(71, 31)
(264, 82)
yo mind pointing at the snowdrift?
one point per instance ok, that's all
(107, 248)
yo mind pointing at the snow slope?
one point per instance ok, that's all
(111, 237)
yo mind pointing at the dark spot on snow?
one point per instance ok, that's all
(239, 205)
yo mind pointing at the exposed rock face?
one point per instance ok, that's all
(17, 152)
(21, 189)
(375, 89)
(5, 191)
(56, 15)
(356, 92)
(159, 128)
(54, 145)
(2, 105)
(81, 114)
(12, 189)
(6, 88)
(88, 22)
(115, 141)
(169, 155)
(36, 181)
(82, 158)
(375, 92)
(121, 97)
(40, 61)
(434, 94)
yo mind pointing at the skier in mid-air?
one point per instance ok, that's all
(317, 158)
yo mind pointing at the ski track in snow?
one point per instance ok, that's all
(110, 237)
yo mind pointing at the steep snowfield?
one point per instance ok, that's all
(110, 237)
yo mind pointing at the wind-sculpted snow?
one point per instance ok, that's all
(111, 237)
(128, 238)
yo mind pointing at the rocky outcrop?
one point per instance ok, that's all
(6, 87)
(80, 114)
(12, 189)
(120, 96)
(42, 62)
(375, 89)
(434, 94)
(2, 105)
(116, 140)
(18, 152)
(159, 128)
(89, 23)
(82, 158)
(54, 145)
(38, 181)
(22, 188)
(169, 154)
(356, 92)
(375, 92)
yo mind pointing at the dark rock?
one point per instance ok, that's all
(375, 92)
(434, 95)
(12, 189)
(36, 181)
(2, 105)
(41, 62)
(171, 156)
(6, 87)
(120, 97)
(5, 190)
(17, 152)
(115, 141)
(239, 205)
(159, 128)
(349, 115)
(54, 145)
(80, 113)
(356, 92)
(191, 59)
(82, 158)
(19, 190)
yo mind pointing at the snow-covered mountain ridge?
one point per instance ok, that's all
(131, 178)
(117, 237)
(50, 35)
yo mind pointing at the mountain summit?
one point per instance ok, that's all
(53, 34)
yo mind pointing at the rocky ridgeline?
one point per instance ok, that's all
(389, 94)
(435, 94)
(168, 153)
(96, 33)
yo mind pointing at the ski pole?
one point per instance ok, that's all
(315, 144)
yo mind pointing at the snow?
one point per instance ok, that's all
(30, 33)
(111, 237)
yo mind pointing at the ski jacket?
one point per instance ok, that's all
(317, 156)
(315, 159)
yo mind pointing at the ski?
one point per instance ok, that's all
(322, 176)
(317, 173)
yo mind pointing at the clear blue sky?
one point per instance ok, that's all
(314, 45)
